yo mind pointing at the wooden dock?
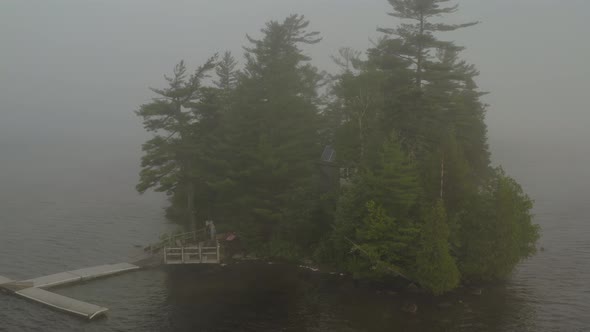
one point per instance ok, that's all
(185, 248)
(64, 278)
(59, 302)
(4, 280)
(33, 289)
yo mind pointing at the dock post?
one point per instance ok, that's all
(200, 253)
(218, 259)
(182, 254)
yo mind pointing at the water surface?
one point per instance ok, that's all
(67, 204)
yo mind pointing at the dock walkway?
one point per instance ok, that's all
(60, 302)
(64, 278)
(185, 248)
(33, 289)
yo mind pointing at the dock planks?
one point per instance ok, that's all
(62, 303)
(33, 289)
(69, 277)
(4, 280)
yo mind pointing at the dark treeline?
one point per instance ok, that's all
(411, 191)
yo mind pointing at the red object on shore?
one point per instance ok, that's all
(231, 237)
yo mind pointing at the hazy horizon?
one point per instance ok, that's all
(76, 70)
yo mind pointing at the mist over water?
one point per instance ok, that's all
(64, 208)
(70, 153)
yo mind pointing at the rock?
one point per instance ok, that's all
(411, 308)
(412, 288)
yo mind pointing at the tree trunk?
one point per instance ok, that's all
(361, 139)
(420, 57)
(442, 176)
(190, 205)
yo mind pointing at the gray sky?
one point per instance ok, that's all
(77, 69)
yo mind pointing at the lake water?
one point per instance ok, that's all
(69, 203)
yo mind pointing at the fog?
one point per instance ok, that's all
(74, 71)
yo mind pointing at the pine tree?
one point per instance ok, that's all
(447, 175)
(376, 212)
(418, 37)
(227, 77)
(388, 242)
(417, 112)
(435, 269)
(168, 162)
(273, 131)
(393, 180)
(358, 106)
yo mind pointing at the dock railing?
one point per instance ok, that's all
(202, 253)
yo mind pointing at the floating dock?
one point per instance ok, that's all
(59, 302)
(33, 289)
(4, 280)
(70, 277)
(184, 248)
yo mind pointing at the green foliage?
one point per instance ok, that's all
(386, 240)
(273, 137)
(498, 232)
(393, 180)
(168, 161)
(435, 269)
(375, 213)
(407, 119)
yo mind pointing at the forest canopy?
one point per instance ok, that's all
(380, 169)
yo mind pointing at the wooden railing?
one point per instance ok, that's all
(199, 254)
(172, 240)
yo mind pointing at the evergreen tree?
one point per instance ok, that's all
(497, 232)
(376, 212)
(418, 113)
(418, 36)
(227, 78)
(358, 106)
(388, 242)
(393, 180)
(447, 175)
(167, 165)
(424, 202)
(275, 138)
(435, 269)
